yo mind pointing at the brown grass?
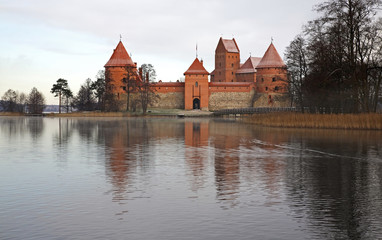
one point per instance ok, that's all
(321, 121)
(11, 114)
(90, 114)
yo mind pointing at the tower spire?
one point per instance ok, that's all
(196, 50)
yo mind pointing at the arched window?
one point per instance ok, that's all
(196, 84)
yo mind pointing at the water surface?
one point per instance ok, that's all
(167, 178)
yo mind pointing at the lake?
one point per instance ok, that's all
(168, 178)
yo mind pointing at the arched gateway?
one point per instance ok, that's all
(196, 103)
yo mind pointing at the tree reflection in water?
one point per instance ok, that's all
(329, 181)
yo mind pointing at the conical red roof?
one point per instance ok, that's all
(120, 57)
(196, 68)
(271, 59)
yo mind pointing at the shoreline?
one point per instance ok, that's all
(363, 121)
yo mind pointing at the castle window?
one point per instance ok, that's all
(124, 88)
(266, 88)
(273, 79)
(232, 80)
(196, 84)
(262, 79)
(276, 88)
(232, 64)
(220, 64)
(232, 73)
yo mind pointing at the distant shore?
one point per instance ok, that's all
(150, 113)
(370, 121)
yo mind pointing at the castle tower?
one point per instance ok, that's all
(196, 86)
(227, 61)
(116, 68)
(271, 73)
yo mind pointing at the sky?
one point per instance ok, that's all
(44, 40)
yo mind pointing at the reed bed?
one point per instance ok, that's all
(320, 121)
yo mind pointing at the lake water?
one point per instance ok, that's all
(168, 178)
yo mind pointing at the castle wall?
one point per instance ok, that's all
(171, 95)
(230, 95)
(270, 100)
(246, 77)
(226, 100)
(170, 100)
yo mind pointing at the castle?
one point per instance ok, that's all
(258, 82)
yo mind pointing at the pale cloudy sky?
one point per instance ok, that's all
(43, 40)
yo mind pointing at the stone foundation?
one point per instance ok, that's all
(171, 100)
(226, 100)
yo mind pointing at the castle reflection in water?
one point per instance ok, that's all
(322, 175)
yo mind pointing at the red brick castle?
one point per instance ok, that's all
(259, 81)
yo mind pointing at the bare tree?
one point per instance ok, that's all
(35, 102)
(13, 101)
(341, 57)
(296, 59)
(147, 94)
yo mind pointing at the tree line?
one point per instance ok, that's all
(99, 95)
(336, 62)
(13, 101)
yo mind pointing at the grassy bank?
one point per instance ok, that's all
(319, 121)
(90, 114)
(11, 114)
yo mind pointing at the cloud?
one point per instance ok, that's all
(81, 35)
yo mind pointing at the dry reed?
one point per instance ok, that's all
(322, 121)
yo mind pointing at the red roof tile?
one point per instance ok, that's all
(120, 57)
(196, 68)
(230, 45)
(271, 59)
(250, 65)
